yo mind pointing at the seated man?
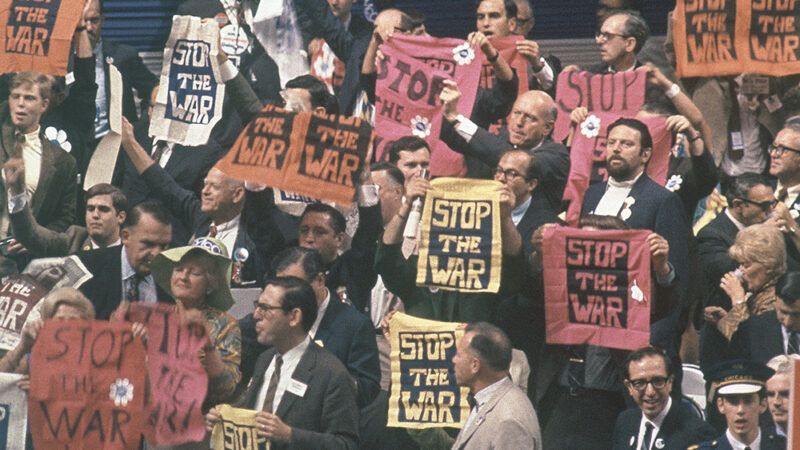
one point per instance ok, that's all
(106, 208)
(303, 394)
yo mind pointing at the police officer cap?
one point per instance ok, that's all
(739, 376)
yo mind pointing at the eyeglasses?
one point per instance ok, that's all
(657, 382)
(602, 36)
(263, 308)
(765, 206)
(778, 150)
(509, 174)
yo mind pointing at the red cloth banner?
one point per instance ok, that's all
(18, 295)
(793, 435)
(588, 157)
(507, 46)
(87, 386)
(38, 34)
(621, 92)
(597, 287)
(178, 381)
(407, 91)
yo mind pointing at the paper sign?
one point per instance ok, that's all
(178, 381)
(424, 391)
(191, 91)
(87, 386)
(407, 90)
(460, 243)
(13, 413)
(597, 287)
(18, 296)
(104, 158)
(308, 154)
(37, 35)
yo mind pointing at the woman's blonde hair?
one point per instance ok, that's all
(70, 297)
(762, 244)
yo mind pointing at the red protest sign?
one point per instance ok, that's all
(407, 91)
(588, 157)
(38, 34)
(87, 386)
(793, 433)
(597, 287)
(308, 154)
(18, 295)
(507, 46)
(621, 92)
(178, 381)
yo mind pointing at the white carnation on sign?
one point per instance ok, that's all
(463, 54)
(636, 293)
(674, 183)
(590, 127)
(121, 392)
(420, 127)
(58, 137)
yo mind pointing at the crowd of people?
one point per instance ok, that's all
(312, 356)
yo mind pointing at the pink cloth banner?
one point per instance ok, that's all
(588, 157)
(507, 46)
(597, 287)
(622, 93)
(407, 91)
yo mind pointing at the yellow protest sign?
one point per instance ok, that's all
(237, 430)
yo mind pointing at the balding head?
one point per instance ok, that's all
(394, 18)
(531, 119)
(222, 197)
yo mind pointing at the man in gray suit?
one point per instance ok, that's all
(304, 395)
(482, 364)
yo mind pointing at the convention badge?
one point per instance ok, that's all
(297, 388)
(221, 19)
(659, 443)
(773, 103)
(233, 40)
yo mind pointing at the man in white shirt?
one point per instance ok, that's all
(303, 393)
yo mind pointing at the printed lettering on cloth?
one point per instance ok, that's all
(190, 93)
(460, 241)
(237, 430)
(424, 389)
(622, 93)
(304, 153)
(325, 65)
(13, 413)
(18, 296)
(507, 46)
(730, 37)
(87, 386)
(588, 157)
(597, 287)
(178, 381)
(409, 82)
(38, 34)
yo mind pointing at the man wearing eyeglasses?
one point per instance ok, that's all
(785, 166)
(620, 38)
(658, 422)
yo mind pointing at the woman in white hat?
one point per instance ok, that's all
(198, 278)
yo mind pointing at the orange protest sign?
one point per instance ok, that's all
(308, 154)
(38, 34)
(730, 37)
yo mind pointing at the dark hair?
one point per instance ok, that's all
(741, 185)
(405, 144)
(788, 287)
(118, 199)
(336, 219)
(510, 5)
(390, 169)
(320, 96)
(308, 258)
(643, 353)
(491, 344)
(638, 125)
(635, 27)
(150, 207)
(297, 293)
(602, 222)
(416, 18)
(532, 171)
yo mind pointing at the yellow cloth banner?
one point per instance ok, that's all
(424, 392)
(460, 245)
(237, 430)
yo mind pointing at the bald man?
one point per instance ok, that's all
(530, 124)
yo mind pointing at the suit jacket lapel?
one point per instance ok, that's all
(301, 373)
(324, 329)
(46, 172)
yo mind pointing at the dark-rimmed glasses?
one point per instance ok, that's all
(657, 382)
(765, 206)
(779, 150)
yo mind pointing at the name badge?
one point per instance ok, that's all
(297, 388)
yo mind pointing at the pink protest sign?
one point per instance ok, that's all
(409, 81)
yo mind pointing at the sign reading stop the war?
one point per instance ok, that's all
(597, 287)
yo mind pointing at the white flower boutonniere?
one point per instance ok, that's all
(58, 137)
(625, 214)
(674, 183)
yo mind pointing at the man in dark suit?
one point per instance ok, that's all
(785, 166)
(761, 337)
(529, 126)
(123, 272)
(659, 422)
(304, 396)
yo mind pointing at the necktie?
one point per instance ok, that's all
(158, 151)
(212, 231)
(648, 434)
(273, 385)
(793, 346)
(782, 194)
(19, 143)
(473, 404)
(132, 290)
